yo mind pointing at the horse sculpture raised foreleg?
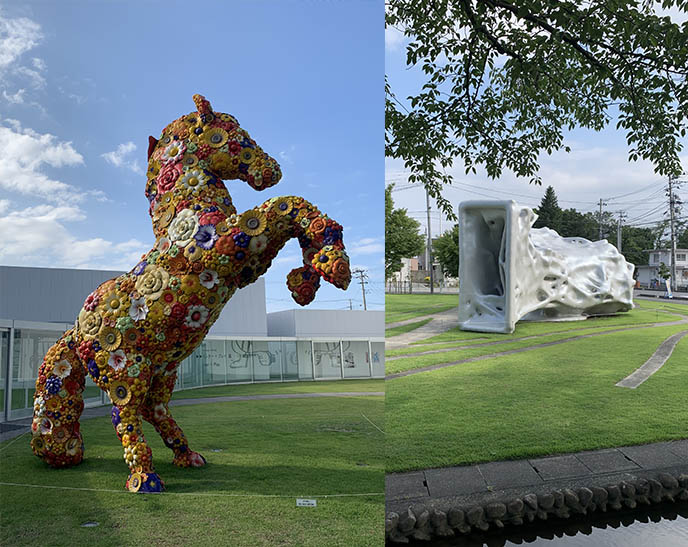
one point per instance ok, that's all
(320, 239)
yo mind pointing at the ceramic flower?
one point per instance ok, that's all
(138, 309)
(183, 228)
(117, 359)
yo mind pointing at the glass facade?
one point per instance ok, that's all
(217, 361)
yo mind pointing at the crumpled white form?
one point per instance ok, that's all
(509, 271)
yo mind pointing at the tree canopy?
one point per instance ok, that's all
(402, 239)
(506, 78)
(446, 250)
(549, 213)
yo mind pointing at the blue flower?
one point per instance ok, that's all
(140, 267)
(115, 416)
(241, 239)
(331, 236)
(53, 385)
(206, 236)
(93, 369)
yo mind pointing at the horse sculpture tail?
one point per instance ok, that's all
(58, 403)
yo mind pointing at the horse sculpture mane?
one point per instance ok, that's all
(133, 331)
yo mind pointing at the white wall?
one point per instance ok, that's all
(324, 323)
(57, 294)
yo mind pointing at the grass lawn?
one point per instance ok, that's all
(399, 307)
(281, 387)
(402, 329)
(545, 401)
(261, 455)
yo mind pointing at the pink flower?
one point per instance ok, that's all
(196, 316)
(168, 176)
(208, 278)
(117, 359)
(91, 301)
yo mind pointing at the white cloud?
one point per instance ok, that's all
(38, 236)
(365, 246)
(14, 98)
(393, 38)
(23, 155)
(16, 37)
(119, 157)
(286, 155)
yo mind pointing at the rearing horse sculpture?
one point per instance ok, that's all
(133, 331)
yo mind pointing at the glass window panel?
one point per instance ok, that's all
(304, 359)
(267, 361)
(356, 359)
(4, 348)
(213, 361)
(290, 361)
(327, 359)
(378, 357)
(192, 370)
(30, 346)
(239, 361)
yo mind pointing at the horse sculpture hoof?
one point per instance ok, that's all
(189, 459)
(145, 483)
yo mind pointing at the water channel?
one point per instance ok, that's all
(663, 525)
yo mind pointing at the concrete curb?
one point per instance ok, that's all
(447, 518)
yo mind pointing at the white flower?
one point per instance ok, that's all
(160, 412)
(138, 309)
(46, 426)
(258, 243)
(208, 278)
(183, 228)
(174, 151)
(62, 369)
(194, 179)
(163, 245)
(117, 359)
(39, 406)
(196, 316)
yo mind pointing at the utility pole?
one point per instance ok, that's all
(602, 202)
(429, 246)
(622, 217)
(362, 276)
(670, 193)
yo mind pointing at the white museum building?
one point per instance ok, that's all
(245, 345)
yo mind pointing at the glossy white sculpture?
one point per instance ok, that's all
(509, 271)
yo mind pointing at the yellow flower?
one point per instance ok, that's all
(89, 323)
(253, 222)
(110, 339)
(152, 282)
(120, 393)
(215, 137)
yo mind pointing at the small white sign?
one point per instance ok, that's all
(306, 503)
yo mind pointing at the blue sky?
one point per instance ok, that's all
(597, 166)
(83, 85)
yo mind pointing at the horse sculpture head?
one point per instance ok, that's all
(213, 142)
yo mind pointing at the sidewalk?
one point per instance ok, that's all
(479, 496)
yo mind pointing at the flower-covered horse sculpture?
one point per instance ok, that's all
(133, 331)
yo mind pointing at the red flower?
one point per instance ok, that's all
(212, 217)
(178, 311)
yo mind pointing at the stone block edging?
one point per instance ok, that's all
(428, 521)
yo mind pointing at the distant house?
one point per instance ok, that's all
(648, 274)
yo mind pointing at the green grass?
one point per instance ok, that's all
(276, 388)
(291, 448)
(399, 307)
(545, 401)
(529, 328)
(403, 329)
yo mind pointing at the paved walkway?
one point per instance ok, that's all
(475, 482)
(654, 363)
(441, 322)
(24, 424)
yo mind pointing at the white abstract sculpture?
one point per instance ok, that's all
(509, 271)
